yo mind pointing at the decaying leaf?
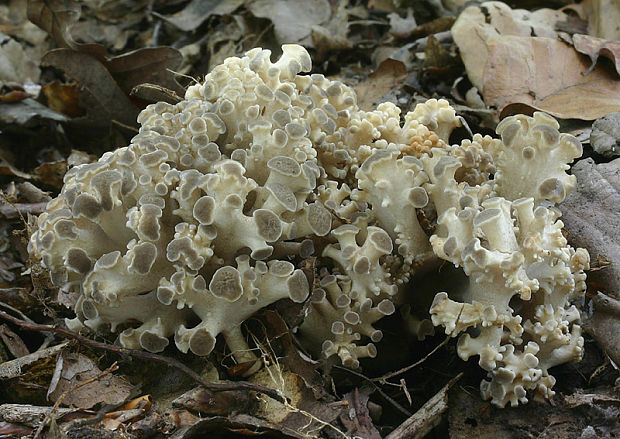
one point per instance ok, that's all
(101, 95)
(292, 19)
(595, 47)
(605, 136)
(63, 98)
(477, 26)
(197, 11)
(591, 215)
(153, 65)
(545, 74)
(357, 418)
(72, 369)
(56, 18)
(514, 58)
(389, 76)
(603, 17)
(13, 342)
(15, 66)
(24, 111)
(200, 400)
(604, 324)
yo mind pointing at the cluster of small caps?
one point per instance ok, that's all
(201, 221)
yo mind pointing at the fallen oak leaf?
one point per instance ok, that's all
(101, 95)
(197, 11)
(149, 65)
(595, 47)
(544, 74)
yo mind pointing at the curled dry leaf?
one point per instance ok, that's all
(101, 95)
(515, 60)
(595, 47)
(13, 342)
(605, 136)
(63, 98)
(292, 19)
(73, 369)
(357, 419)
(390, 75)
(591, 215)
(197, 11)
(604, 325)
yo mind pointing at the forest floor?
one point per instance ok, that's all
(73, 78)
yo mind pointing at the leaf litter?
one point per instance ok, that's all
(73, 77)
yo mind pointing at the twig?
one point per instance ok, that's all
(171, 362)
(382, 379)
(61, 398)
(396, 405)
(427, 417)
(13, 210)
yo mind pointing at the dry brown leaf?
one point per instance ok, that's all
(200, 400)
(591, 215)
(13, 342)
(515, 60)
(72, 369)
(101, 95)
(55, 17)
(476, 26)
(153, 65)
(603, 17)
(604, 325)
(389, 76)
(197, 11)
(292, 19)
(546, 75)
(63, 98)
(595, 47)
(357, 419)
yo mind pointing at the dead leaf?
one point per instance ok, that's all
(389, 76)
(6, 162)
(197, 11)
(55, 17)
(591, 215)
(15, 96)
(152, 93)
(13, 342)
(477, 26)
(15, 66)
(605, 135)
(200, 400)
(604, 325)
(72, 369)
(26, 111)
(603, 17)
(63, 98)
(153, 65)
(14, 368)
(51, 173)
(595, 47)
(545, 75)
(100, 94)
(402, 27)
(357, 418)
(282, 341)
(292, 19)
(514, 58)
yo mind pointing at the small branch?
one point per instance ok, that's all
(214, 387)
(382, 379)
(427, 417)
(62, 397)
(11, 211)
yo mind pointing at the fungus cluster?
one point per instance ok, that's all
(206, 216)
